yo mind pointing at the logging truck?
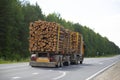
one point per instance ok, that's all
(51, 45)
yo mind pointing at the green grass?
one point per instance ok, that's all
(13, 61)
(112, 55)
(2, 61)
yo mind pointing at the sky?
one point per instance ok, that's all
(102, 16)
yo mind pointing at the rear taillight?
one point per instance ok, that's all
(33, 57)
(51, 59)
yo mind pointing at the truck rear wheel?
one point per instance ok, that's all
(58, 64)
(67, 63)
(81, 62)
(61, 64)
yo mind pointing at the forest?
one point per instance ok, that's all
(15, 17)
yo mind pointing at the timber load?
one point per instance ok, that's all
(51, 37)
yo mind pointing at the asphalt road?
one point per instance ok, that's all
(90, 67)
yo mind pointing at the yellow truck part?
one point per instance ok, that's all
(42, 60)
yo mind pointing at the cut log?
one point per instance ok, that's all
(51, 37)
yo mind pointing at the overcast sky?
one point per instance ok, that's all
(103, 16)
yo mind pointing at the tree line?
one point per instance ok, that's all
(15, 17)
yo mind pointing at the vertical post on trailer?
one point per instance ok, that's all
(58, 39)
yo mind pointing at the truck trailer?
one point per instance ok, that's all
(51, 45)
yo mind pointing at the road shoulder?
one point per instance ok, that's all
(113, 73)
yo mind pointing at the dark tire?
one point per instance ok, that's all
(58, 65)
(81, 62)
(71, 63)
(61, 64)
(66, 63)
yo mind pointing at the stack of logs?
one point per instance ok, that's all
(75, 42)
(51, 37)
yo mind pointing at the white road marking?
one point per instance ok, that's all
(35, 73)
(101, 71)
(50, 70)
(16, 77)
(63, 74)
(100, 63)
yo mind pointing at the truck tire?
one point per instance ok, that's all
(32, 66)
(71, 63)
(58, 65)
(81, 62)
(66, 63)
(61, 64)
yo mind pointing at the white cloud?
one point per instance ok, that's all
(101, 15)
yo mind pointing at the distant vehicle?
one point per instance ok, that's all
(51, 45)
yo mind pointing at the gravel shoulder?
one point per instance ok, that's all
(113, 73)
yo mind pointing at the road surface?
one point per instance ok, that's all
(85, 71)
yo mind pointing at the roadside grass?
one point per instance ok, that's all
(103, 56)
(2, 61)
